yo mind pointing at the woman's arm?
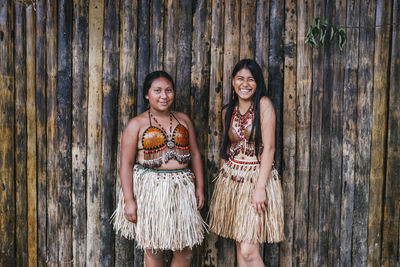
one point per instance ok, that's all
(127, 160)
(223, 114)
(197, 166)
(267, 122)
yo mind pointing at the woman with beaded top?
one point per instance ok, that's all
(160, 196)
(247, 203)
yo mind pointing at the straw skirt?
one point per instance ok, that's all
(231, 213)
(167, 215)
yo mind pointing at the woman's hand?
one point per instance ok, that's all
(259, 200)
(199, 198)
(130, 211)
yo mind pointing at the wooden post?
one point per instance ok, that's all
(315, 152)
(214, 120)
(143, 51)
(171, 36)
(275, 92)
(31, 136)
(109, 128)
(80, 83)
(7, 167)
(200, 81)
(41, 137)
(349, 131)
(127, 71)
(157, 35)
(391, 219)
(20, 156)
(52, 242)
(379, 130)
(262, 36)
(336, 141)
(247, 29)
(96, 15)
(289, 132)
(231, 46)
(64, 125)
(304, 75)
(364, 125)
(183, 60)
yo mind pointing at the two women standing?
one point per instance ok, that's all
(159, 206)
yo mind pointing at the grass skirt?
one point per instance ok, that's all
(231, 213)
(167, 215)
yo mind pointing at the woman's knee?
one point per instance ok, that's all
(154, 255)
(249, 252)
(185, 254)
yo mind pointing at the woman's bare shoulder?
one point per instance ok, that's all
(137, 123)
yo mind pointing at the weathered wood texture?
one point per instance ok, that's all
(71, 77)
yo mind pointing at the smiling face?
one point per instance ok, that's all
(160, 94)
(244, 84)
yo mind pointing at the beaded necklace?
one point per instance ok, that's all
(170, 143)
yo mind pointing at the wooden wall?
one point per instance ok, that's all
(71, 75)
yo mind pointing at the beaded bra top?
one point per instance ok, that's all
(160, 147)
(239, 133)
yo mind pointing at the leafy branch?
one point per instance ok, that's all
(316, 34)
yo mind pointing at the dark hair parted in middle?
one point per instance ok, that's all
(261, 90)
(153, 76)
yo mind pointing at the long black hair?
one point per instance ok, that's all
(151, 77)
(261, 90)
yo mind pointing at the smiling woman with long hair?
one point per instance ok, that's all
(247, 204)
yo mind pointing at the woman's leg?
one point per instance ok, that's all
(153, 258)
(182, 258)
(248, 254)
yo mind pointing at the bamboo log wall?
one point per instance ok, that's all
(71, 76)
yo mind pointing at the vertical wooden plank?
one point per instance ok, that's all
(349, 131)
(315, 152)
(391, 219)
(127, 70)
(183, 60)
(52, 243)
(231, 44)
(200, 79)
(262, 36)
(247, 29)
(324, 184)
(171, 36)
(80, 83)
(31, 136)
(364, 129)
(226, 248)
(304, 75)
(143, 51)
(157, 35)
(109, 128)
(20, 156)
(200, 82)
(41, 141)
(7, 167)
(142, 71)
(275, 92)
(64, 125)
(289, 132)
(379, 130)
(336, 141)
(214, 119)
(96, 13)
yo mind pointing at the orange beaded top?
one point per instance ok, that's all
(159, 147)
